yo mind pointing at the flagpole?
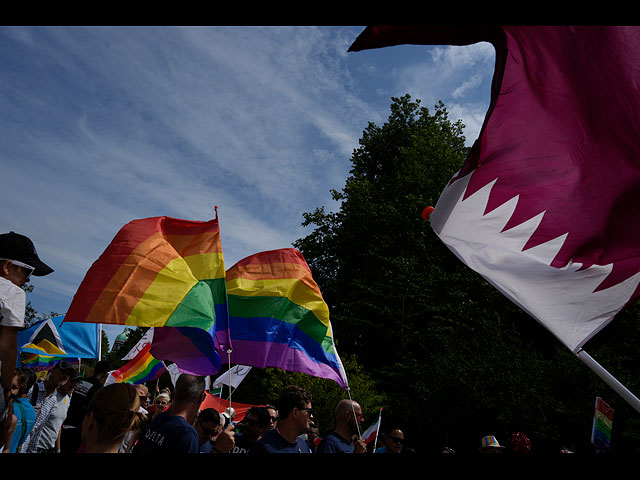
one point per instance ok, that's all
(375, 442)
(609, 379)
(229, 371)
(353, 409)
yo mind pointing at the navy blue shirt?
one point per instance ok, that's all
(273, 442)
(334, 443)
(170, 434)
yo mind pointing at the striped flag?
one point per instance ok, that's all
(371, 433)
(161, 272)
(602, 423)
(278, 318)
(142, 368)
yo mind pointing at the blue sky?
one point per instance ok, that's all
(103, 125)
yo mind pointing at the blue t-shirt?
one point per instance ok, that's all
(27, 421)
(273, 442)
(334, 443)
(170, 434)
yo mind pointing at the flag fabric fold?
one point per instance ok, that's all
(545, 205)
(161, 272)
(278, 318)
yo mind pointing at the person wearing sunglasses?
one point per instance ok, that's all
(254, 424)
(18, 261)
(296, 414)
(345, 438)
(394, 441)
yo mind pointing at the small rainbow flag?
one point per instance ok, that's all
(278, 318)
(160, 272)
(142, 368)
(602, 424)
(44, 362)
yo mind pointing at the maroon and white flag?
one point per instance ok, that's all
(547, 205)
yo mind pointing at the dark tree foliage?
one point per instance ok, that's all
(455, 359)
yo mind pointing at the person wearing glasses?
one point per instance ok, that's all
(18, 261)
(294, 407)
(345, 438)
(254, 425)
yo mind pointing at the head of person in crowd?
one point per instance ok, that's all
(348, 418)
(59, 375)
(273, 413)
(19, 259)
(112, 412)
(101, 371)
(255, 423)
(23, 380)
(294, 408)
(71, 384)
(143, 393)
(207, 424)
(161, 403)
(520, 443)
(394, 440)
(490, 444)
(189, 393)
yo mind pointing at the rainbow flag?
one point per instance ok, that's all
(161, 272)
(278, 318)
(602, 424)
(142, 368)
(44, 362)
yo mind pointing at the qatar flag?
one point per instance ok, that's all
(546, 205)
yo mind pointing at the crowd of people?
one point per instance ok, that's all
(66, 413)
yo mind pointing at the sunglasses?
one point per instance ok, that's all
(210, 432)
(22, 265)
(310, 410)
(397, 439)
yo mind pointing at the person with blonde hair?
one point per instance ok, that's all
(112, 412)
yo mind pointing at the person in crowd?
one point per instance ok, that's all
(82, 394)
(23, 414)
(273, 412)
(520, 443)
(344, 438)
(208, 426)
(18, 261)
(160, 404)
(143, 393)
(112, 412)
(172, 431)
(50, 436)
(393, 441)
(43, 397)
(254, 424)
(295, 412)
(313, 436)
(490, 444)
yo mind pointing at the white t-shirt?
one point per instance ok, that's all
(12, 304)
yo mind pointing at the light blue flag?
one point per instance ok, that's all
(76, 340)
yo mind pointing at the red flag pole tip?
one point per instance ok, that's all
(427, 212)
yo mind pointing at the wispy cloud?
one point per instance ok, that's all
(102, 125)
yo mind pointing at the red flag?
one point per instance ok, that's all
(545, 206)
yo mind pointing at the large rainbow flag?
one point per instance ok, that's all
(161, 272)
(278, 318)
(142, 368)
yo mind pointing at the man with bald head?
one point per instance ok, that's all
(345, 439)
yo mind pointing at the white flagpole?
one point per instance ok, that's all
(375, 442)
(609, 379)
(354, 412)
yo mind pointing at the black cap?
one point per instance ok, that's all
(21, 249)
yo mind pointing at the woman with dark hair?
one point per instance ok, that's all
(112, 412)
(23, 414)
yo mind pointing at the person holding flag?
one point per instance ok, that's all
(346, 436)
